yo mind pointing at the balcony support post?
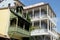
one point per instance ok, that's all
(51, 38)
(44, 38)
(24, 26)
(16, 23)
(33, 16)
(40, 12)
(26, 13)
(52, 14)
(32, 24)
(22, 14)
(34, 38)
(47, 11)
(33, 12)
(47, 24)
(40, 15)
(50, 26)
(47, 20)
(40, 23)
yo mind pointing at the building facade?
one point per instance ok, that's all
(43, 21)
(15, 27)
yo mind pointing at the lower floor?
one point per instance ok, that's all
(23, 38)
(1, 38)
(42, 37)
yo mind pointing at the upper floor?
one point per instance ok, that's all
(40, 11)
(42, 18)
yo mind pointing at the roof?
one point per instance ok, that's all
(38, 5)
(19, 2)
(34, 5)
(4, 4)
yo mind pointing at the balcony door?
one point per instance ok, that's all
(43, 13)
(43, 25)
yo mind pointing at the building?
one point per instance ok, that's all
(59, 36)
(43, 21)
(42, 18)
(13, 26)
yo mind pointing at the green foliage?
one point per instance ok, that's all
(28, 18)
(33, 28)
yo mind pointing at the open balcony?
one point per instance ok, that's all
(42, 24)
(40, 31)
(18, 31)
(42, 37)
(53, 33)
(19, 27)
(14, 14)
(43, 28)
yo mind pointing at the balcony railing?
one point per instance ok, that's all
(44, 16)
(54, 31)
(18, 30)
(39, 32)
(37, 27)
(33, 28)
(13, 16)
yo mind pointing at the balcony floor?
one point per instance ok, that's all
(18, 32)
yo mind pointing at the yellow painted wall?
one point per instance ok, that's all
(4, 21)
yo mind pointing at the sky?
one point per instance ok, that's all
(55, 5)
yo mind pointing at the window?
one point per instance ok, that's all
(30, 14)
(36, 23)
(43, 25)
(43, 12)
(13, 21)
(24, 15)
(36, 13)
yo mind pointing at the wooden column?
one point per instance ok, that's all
(47, 10)
(40, 15)
(51, 38)
(33, 16)
(48, 24)
(47, 19)
(16, 23)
